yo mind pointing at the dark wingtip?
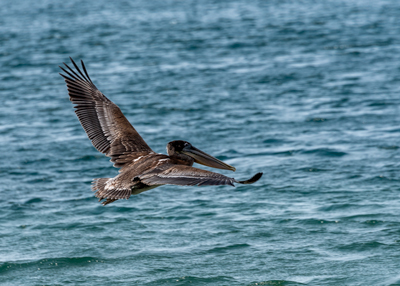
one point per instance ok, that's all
(253, 179)
(84, 69)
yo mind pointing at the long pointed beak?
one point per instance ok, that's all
(205, 159)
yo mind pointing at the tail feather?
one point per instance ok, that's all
(107, 192)
(99, 184)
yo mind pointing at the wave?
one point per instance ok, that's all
(50, 262)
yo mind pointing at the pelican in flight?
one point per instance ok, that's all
(141, 169)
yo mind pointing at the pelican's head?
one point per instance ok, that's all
(180, 147)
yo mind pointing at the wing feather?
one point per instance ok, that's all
(182, 175)
(104, 123)
(185, 176)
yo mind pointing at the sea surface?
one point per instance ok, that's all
(306, 91)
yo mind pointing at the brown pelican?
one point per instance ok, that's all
(141, 168)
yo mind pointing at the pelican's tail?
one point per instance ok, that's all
(109, 191)
(98, 185)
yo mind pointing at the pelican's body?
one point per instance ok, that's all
(141, 168)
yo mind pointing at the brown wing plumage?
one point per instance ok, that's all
(189, 176)
(106, 126)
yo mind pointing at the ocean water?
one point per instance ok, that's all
(307, 92)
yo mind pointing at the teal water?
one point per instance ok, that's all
(305, 91)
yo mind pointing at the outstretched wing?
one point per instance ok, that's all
(189, 176)
(106, 126)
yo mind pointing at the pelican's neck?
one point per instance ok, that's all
(182, 159)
